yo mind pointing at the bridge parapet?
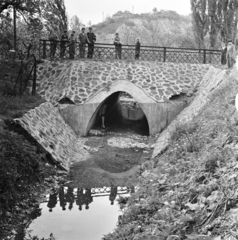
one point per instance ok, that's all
(104, 51)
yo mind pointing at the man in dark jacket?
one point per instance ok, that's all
(137, 49)
(64, 39)
(82, 42)
(91, 38)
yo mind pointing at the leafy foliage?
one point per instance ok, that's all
(190, 191)
(34, 20)
(217, 18)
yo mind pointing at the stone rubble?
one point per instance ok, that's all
(125, 142)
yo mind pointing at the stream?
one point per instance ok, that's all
(87, 207)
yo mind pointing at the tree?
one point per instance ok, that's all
(54, 13)
(75, 24)
(200, 20)
(30, 6)
(37, 17)
(155, 10)
(218, 18)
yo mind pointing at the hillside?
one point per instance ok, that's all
(163, 28)
(189, 190)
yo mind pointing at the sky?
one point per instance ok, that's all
(94, 10)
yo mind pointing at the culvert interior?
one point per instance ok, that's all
(122, 114)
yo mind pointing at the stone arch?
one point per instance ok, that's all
(120, 86)
(82, 117)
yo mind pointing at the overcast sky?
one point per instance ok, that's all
(94, 10)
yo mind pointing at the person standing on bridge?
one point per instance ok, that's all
(91, 39)
(137, 49)
(82, 42)
(71, 46)
(230, 54)
(118, 46)
(64, 40)
(53, 44)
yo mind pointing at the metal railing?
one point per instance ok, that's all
(55, 50)
(26, 73)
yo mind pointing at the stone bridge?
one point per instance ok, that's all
(87, 84)
(159, 88)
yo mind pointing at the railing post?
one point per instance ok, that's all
(34, 79)
(164, 54)
(204, 56)
(44, 49)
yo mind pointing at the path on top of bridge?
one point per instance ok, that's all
(80, 80)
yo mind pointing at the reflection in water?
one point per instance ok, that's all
(70, 197)
(113, 194)
(86, 202)
(62, 198)
(84, 196)
(80, 198)
(52, 201)
(62, 214)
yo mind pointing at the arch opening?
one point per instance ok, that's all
(123, 114)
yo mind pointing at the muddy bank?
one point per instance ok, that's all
(26, 174)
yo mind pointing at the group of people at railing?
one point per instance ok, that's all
(84, 197)
(85, 40)
(229, 54)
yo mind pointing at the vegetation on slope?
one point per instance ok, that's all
(23, 165)
(160, 28)
(190, 191)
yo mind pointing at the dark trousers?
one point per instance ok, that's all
(82, 47)
(137, 54)
(62, 49)
(118, 51)
(71, 52)
(53, 46)
(90, 50)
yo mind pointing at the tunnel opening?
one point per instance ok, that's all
(123, 114)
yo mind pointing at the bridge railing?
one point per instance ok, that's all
(104, 51)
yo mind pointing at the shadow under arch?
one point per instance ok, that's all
(121, 115)
(111, 96)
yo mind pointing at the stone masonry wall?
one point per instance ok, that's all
(47, 126)
(208, 85)
(80, 80)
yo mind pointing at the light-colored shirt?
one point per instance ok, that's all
(231, 50)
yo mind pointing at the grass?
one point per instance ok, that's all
(11, 104)
(22, 161)
(190, 191)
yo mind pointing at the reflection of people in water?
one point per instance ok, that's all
(52, 201)
(70, 197)
(80, 198)
(88, 197)
(113, 194)
(62, 198)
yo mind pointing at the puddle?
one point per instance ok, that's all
(85, 214)
(86, 208)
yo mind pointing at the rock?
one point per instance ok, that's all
(93, 132)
